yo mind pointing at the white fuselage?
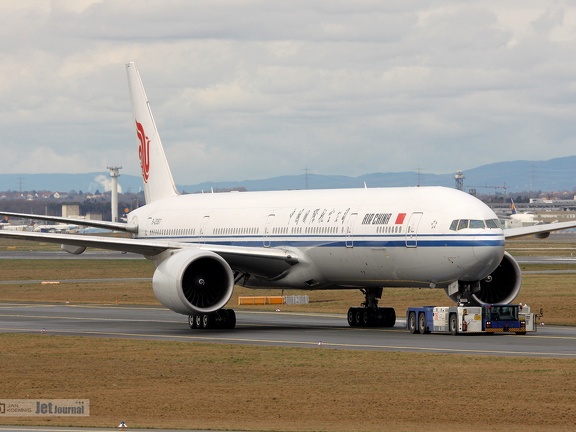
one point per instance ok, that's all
(344, 238)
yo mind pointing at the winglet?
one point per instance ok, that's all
(156, 175)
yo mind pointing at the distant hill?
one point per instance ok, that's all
(89, 182)
(517, 176)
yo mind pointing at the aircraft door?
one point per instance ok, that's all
(203, 229)
(147, 227)
(350, 230)
(268, 230)
(412, 230)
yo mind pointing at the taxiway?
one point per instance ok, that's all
(317, 331)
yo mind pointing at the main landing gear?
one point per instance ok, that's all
(369, 314)
(221, 319)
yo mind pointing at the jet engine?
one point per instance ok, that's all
(501, 286)
(193, 281)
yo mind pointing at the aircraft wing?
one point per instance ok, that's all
(144, 247)
(116, 226)
(538, 229)
(261, 261)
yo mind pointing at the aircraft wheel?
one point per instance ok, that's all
(422, 323)
(198, 319)
(351, 317)
(358, 317)
(207, 321)
(230, 319)
(366, 318)
(389, 315)
(380, 318)
(192, 321)
(412, 322)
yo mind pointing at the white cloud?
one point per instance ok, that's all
(250, 89)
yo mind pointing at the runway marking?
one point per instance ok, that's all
(308, 314)
(297, 343)
(54, 429)
(69, 281)
(51, 429)
(304, 329)
(81, 306)
(87, 318)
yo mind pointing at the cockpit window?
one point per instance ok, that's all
(478, 224)
(493, 223)
(459, 224)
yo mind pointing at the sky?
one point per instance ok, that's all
(250, 89)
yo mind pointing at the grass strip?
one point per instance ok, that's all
(212, 386)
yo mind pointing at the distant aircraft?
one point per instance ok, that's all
(359, 239)
(56, 228)
(520, 219)
(5, 224)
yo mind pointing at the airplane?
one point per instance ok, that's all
(520, 219)
(61, 227)
(5, 224)
(362, 239)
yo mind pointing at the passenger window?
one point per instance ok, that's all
(463, 224)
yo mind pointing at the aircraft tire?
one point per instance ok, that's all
(230, 322)
(192, 321)
(388, 317)
(367, 318)
(358, 317)
(207, 321)
(351, 317)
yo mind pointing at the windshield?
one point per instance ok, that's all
(460, 224)
(502, 313)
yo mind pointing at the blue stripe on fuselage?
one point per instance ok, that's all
(366, 241)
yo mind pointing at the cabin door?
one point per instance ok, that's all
(412, 230)
(204, 229)
(350, 230)
(268, 230)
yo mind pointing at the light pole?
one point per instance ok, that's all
(114, 173)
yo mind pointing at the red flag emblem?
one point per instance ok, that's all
(400, 218)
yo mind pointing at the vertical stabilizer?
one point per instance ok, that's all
(156, 175)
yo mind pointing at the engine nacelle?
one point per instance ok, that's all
(193, 281)
(501, 286)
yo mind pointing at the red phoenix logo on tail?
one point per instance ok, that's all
(143, 151)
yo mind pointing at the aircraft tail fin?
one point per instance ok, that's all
(156, 174)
